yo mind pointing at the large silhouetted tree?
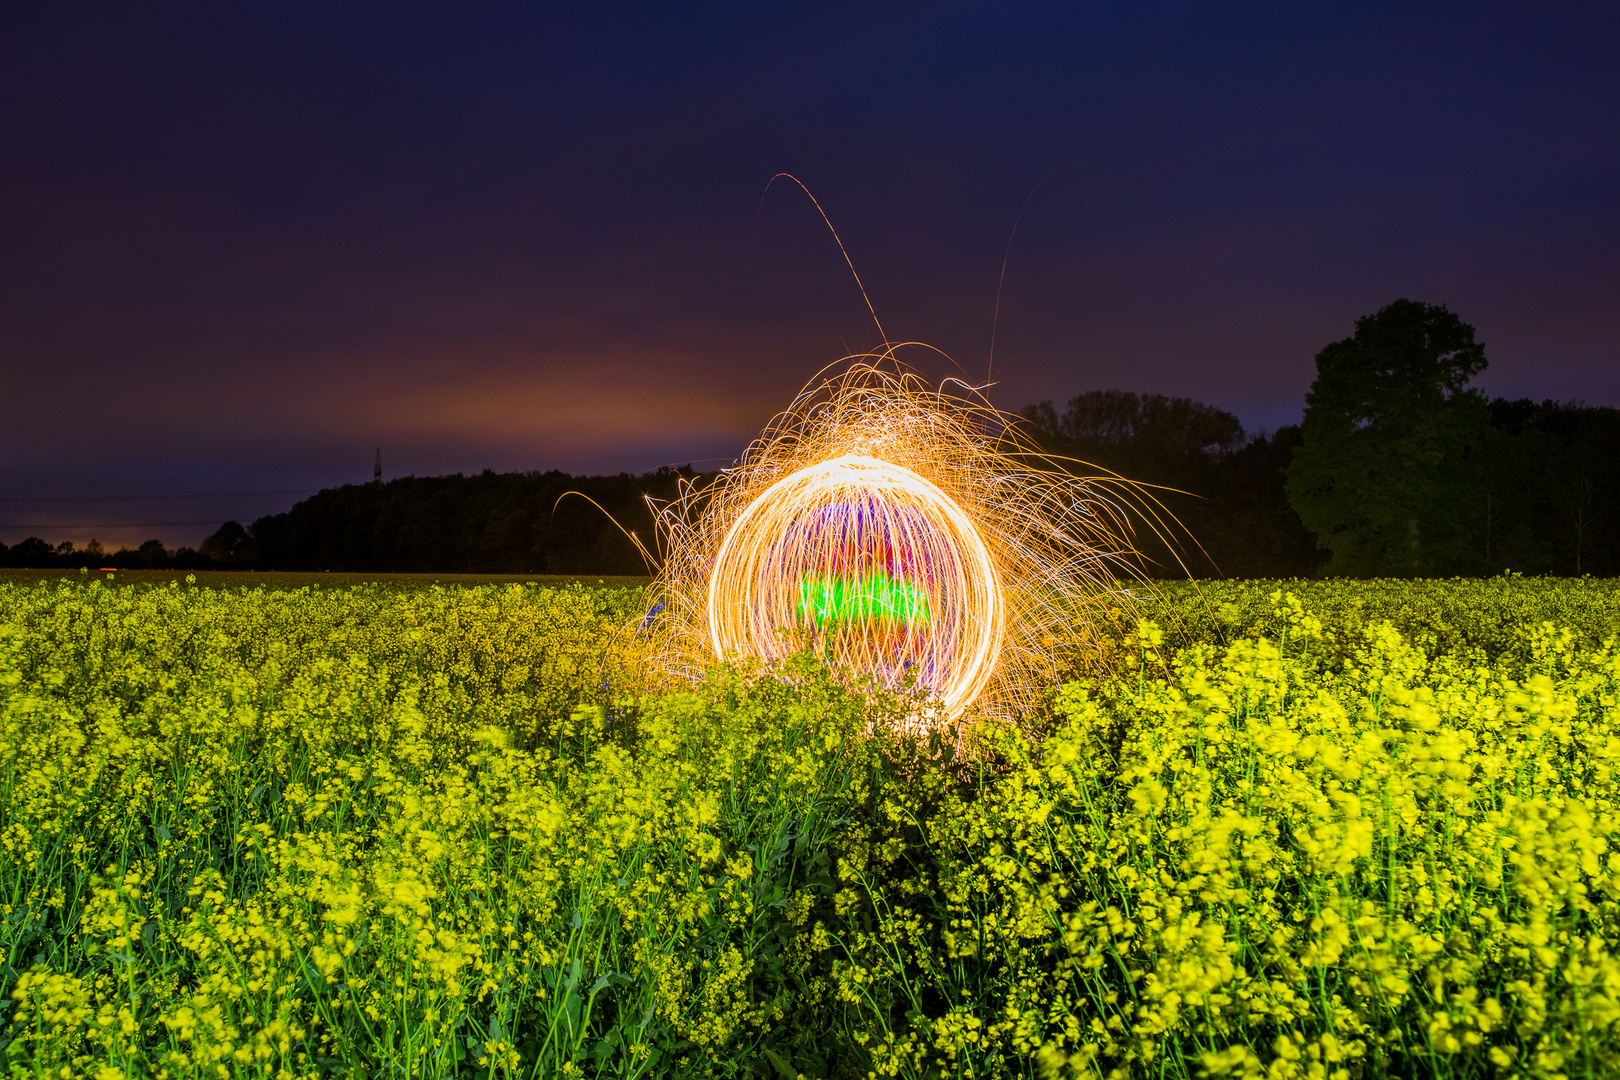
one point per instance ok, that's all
(32, 553)
(1386, 469)
(230, 545)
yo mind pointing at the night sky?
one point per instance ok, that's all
(241, 248)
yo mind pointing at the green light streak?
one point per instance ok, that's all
(833, 599)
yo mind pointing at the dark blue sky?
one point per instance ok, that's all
(240, 249)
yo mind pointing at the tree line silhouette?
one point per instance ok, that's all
(34, 553)
(1398, 468)
(1538, 495)
(506, 523)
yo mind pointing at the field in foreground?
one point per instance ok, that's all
(1329, 829)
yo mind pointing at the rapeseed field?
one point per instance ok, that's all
(1324, 829)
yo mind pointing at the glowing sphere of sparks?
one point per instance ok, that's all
(870, 564)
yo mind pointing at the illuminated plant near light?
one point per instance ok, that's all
(908, 535)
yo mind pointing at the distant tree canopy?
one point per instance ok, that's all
(37, 554)
(1389, 449)
(1222, 488)
(518, 523)
(1150, 431)
(1546, 489)
(508, 523)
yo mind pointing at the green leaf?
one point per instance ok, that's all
(782, 1067)
(612, 978)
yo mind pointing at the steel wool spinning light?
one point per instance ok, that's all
(909, 536)
(872, 565)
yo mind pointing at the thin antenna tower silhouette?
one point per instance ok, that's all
(376, 469)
